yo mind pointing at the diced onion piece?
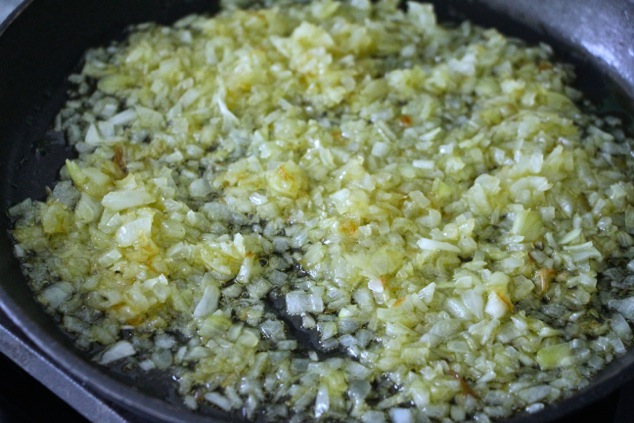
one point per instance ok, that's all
(134, 231)
(496, 307)
(624, 306)
(200, 188)
(57, 294)
(123, 118)
(298, 302)
(376, 285)
(322, 401)
(401, 415)
(424, 164)
(218, 400)
(473, 300)
(527, 224)
(570, 236)
(158, 286)
(117, 351)
(110, 257)
(93, 137)
(208, 303)
(380, 149)
(121, 200)
(535, 393)
(433, 245)
(558, 355)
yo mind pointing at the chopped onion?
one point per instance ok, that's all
(322, 401)
(297, 212)
(134, 231)
(208, 303)
(121, 200)
(117, 351)
(298, 302)
(433, 245)
(401, 415)
(495, 306)
(57, 294)
(218, 400)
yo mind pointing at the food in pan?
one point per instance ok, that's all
(338, 211)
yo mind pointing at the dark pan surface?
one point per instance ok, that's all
(43, 43)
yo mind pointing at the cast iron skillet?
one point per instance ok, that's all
(42, 42)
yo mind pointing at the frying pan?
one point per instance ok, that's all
(42, 42)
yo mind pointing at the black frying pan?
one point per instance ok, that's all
(42, 42)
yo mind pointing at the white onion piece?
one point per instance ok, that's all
(298, 302)
(218, 400)
(322, 401)
(401, 415)
(624, 306)
(133, 231)
(117, 351)
(495, 306)
(208, 303)
(123, 118)
(121, 200)
(433, 245)
(57, 294)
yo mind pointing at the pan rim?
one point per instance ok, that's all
(131, 397)
(13, 15)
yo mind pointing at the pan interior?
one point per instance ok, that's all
(31, 154)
